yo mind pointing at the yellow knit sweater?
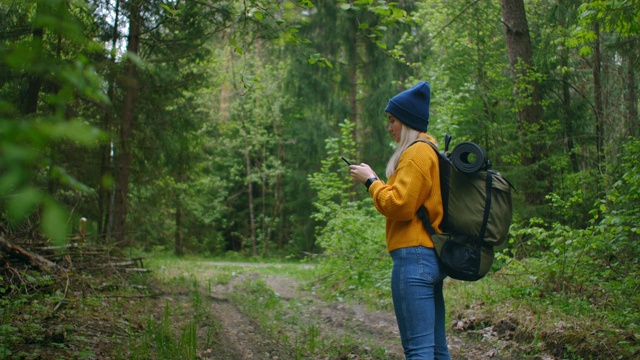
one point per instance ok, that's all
(415, 182)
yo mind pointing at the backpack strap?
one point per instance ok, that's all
(487, 204)
(423, 214)
(427, 142)
(447, 142)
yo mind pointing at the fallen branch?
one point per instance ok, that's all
(124, 263)
(52, 247)
(160, 293)
(33, 259)
(66, 288)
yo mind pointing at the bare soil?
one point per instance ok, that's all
(338, 319)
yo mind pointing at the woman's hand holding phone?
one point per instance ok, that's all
(360, 173)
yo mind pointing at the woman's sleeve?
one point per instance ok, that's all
(412, 183)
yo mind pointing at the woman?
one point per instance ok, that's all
(413, 180)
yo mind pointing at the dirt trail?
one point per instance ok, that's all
(244, 340)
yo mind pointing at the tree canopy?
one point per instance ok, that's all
(197, 124)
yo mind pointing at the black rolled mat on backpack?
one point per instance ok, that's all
(469, 158)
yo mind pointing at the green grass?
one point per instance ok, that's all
(171, 332)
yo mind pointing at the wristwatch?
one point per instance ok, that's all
(370, 181)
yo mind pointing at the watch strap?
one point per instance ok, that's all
(370, 181)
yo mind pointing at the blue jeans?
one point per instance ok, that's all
(416, 288)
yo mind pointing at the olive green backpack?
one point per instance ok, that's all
(477, 211)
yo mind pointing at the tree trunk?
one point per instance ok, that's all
(566, 104)
(353, 86)
(126, 128)
(354, 118)
(180, 180)
(599, 104)
(280, 196)
(32, 94)
(252, 217)
(631, 94)
(179, 246)
(105, 193)
(265, 234)
(527, 96)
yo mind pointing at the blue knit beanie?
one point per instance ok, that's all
(411, 106)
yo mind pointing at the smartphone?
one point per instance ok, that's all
(345, 160)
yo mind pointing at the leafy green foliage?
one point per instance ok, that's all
(332, 183)
(598, 263)
(351, 232)
(620, 17)
(386, 15)
(27, 159)
(471, 91)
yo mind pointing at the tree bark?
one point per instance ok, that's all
(631, 94)
(32, 94)
(353, 85)
(105, 193)
(354, 116)
(126, 127)
(566, 103)
(527, 96)
(252, 217)
(180, 179)
(599, 103)
(179, 247)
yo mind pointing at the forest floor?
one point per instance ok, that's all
(154, 324)
(244, 340)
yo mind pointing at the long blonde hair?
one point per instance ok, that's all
(407, 137)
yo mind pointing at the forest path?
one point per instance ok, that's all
(241, 336)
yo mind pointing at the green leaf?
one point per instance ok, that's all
(23, 202)
(75, 130)
(382, 11)
(64, 178)
(172, 12)
(54, 222)
(585, 51)
(134, 58)
(399, 14)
